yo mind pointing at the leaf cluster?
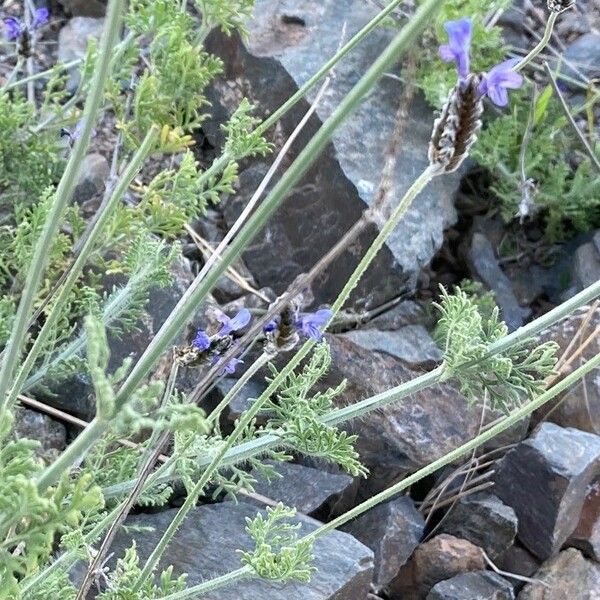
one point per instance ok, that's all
(566, 189)
(297, 416)
(278, 555)
(465, 337)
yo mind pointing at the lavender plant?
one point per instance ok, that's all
(53, 515)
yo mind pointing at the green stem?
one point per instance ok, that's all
(211, 585)
(42, 74)
(193, 495)
(62, 197)
(197, 292)
(256, 447)
(461, 451)
(542, 43)
(392, 491)
(262, 360)
(76, 268)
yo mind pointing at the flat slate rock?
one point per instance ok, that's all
(477, 585)
(392, 530)
(484, 520)
(545, 479)
(568, 576)
(310, 491)
(205, 547)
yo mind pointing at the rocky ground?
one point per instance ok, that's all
(521, 518)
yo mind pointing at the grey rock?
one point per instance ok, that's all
(440, 558)
(580, 405)
(73, 41)
(545, 479)
(405, 435)
(206, 547)
(310, 491)
(84, 8)
(406, 312)
(477, 585)
(288, 42)
(587, 262)
(484, 520)
(33, 425)
(392, 530)
(566, 576)
(243, 400)
(485, 266)
(586, 536)
(584, 54)
(75, 395)
(412, 344)
(519, 561)
(92, 179)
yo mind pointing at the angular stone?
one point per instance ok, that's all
(580, 406)
(33, 425)
(567, 576)
(412, 344)
(545, 479)
(586, 536)
(485, 265)
(484, 520)
(405, 435)
(441, 558)
(206, 547)
(519, 561)
(310, 491)
(477, 585)
(585, 54)
(392, 530)
(243, 400)
(73, 41)
(406, 312)
(92, 179)
(587, 263)
(288, 42)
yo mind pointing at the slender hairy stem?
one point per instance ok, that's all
(262, 360)
(459, 452)
(212, 584)
(542, 43)
(76, 268)
(42, 74)
(523, 334)
(447, 459)
(197, 292)
(147, 464)
(62, 197)
(193, 495)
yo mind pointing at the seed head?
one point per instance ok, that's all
(455, 131)
(558, 6)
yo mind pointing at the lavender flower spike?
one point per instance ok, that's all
(201, 341)
(13, 27)
(311, 323)
(234, 324)
(40, 18)
(459, 45)
(502, 77)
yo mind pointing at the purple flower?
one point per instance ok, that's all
(272, 325)
(310, 324)
(459, 45)
(234, 324)
(13, 27)
(230, 366)
(502, 77)
(201, 341)
(40, 18)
